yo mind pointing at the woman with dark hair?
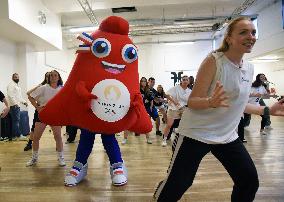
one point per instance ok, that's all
(257, 92)
(30, 141)
(265, 83)
(215, 106)
(148, 101)
(39, 99)
(191, 82)
(160, 102)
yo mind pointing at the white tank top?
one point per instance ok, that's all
(218, 125)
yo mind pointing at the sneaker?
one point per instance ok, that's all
(22, 138)
(159, 133)
(262, 132)
(76, 174)
(164, 143)
(124, 141)
(28, 147)
(149, 141)
(11, 139)
(268, 128)
(61, 161)
(31, 162)
(118, 173)
(244, 141)
(5, 139)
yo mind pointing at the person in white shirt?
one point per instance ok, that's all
(215, 106)
(14, 95)
(39, 98)
(257, 92)
(178, 96)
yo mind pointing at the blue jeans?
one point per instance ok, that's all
(24, 123)
(15, 115)
(153, 113)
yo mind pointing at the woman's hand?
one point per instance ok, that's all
(5, 112)
(218, 98)
(277, 109)
(38, 108)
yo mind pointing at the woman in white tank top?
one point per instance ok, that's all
(39, 97)
(215, 106)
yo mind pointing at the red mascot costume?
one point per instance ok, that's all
(102, 93)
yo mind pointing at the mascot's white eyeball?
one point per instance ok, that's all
(101, 47)
(129, 53)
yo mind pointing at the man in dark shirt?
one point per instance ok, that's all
(6, 109)
(3, 113)
(152, 110)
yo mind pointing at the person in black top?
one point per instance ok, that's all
(191, 82)
(5, 111)
(265, 83)
(151, 109)
(160, 102)
(148, 103)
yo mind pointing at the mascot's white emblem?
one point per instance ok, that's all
(113, 100)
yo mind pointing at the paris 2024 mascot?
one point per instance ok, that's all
(101, 95)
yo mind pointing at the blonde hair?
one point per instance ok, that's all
(225, 46)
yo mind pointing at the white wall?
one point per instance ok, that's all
(30, 65)
(26, 14)
(271, 37)
(274, 72)
(271, 32)
(158, 60)
(38, 63)
(8, 59)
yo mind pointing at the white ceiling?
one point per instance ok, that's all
(276, 54)
(155, 13)
(72, 13)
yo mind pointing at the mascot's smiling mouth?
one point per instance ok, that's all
(113, 68)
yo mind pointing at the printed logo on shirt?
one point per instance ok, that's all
(246, 80)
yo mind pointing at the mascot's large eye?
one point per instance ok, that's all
(129, 53)
(101, 47)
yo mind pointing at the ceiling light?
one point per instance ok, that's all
(82, 29)
(264, 60)
(179, 43)
(268, 57)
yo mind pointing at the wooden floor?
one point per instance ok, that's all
(146, 165)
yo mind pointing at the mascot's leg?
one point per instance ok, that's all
(118, 170)
(80, 166)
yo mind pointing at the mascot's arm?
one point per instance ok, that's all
(137, 103)
(83, 92)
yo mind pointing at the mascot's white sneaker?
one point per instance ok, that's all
(118, 174)
(76, 174)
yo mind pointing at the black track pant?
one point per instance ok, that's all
(185, 162)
